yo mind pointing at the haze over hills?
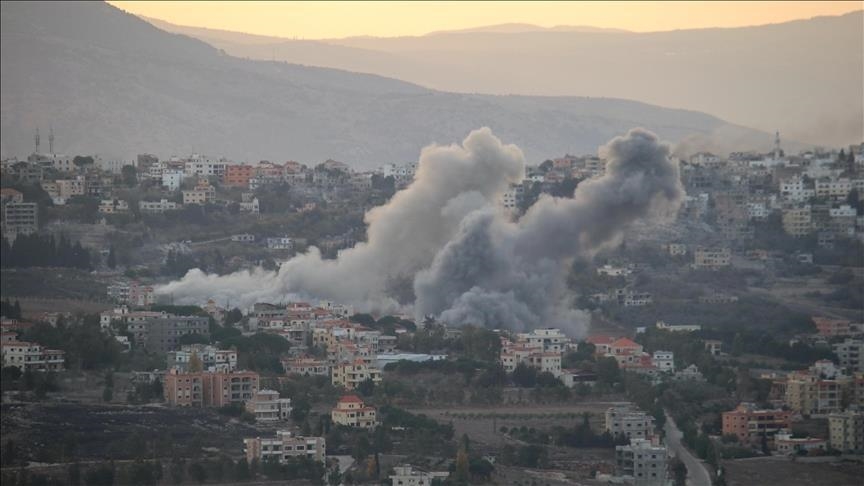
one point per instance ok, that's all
(113, 84)
(761, 76)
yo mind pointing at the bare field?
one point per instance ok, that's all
(778, 470)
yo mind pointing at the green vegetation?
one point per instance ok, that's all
(43, 251)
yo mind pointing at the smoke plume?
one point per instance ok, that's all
(468, 262)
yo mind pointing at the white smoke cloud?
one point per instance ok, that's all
(468, 263)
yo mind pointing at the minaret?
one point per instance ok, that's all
(36, 139)
(777, 145)
(50, 139)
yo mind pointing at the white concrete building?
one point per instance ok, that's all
(664, 361)
(641, 463)
(266, 406)
(624, 420)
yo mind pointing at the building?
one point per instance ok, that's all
(642, 461)
(550, 340)
(31, 356)
(626, 421)
(712, 258)
(350, 375)
(157, 207)
(661, 325)
(306, 366)
(238, 175)
(351, 411)
(798, 220)
(131, 293)
(20, 218)
(664, 361)
(850, 354)
(846, 431)
(785, 444)
(266, 406)
(162, 334)
(113, 206)
(408, 476)
(212, 358)
(280, 243)
(209, 389)
(172, 179)
(832, 327)
(714, 346)
(750, 424)
(243, 238)
(202, 193)
(818, 390)
(284, 447)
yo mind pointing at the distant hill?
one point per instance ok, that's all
(803, 77)
(111, 83)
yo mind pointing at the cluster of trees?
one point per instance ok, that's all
(10, 310)
(44, 251)
(581, 435)
(533, 456)
(83, 341)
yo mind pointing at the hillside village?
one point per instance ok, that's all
(737, 326)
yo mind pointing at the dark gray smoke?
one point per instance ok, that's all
(469, 264)
(498, 273)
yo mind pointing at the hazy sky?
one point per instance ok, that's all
(320, 20)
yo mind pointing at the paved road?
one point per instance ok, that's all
(697, 474)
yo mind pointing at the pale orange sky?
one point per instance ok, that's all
(322, 20)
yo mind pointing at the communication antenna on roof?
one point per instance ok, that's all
(36, 139)
(50, 139)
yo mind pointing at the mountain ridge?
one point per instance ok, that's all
(111, 83)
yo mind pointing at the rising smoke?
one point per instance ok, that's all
(468, 262)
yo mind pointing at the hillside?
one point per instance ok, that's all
(111, 83)
(762, 76)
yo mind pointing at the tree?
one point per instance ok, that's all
(197, 471)
(524, 376)
(112, 258)
(334, 478)
(242, 471)
(366, 387)
(462, 472)
(130, 175)
(74, 472)
(195, 363)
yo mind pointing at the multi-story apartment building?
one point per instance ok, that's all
(266, 406)
(664, 361)
(209, 389)
(712, 258)
(306, 366)
(850, 354)
(20, 218)
(548, 339)
(828, 327)
(642, 461)
(351, 411)
(798, 220)
(238, 175)
(846, 431)
(284, 447)
(31, 356)
(162, 334)
(350, 375)
(626, 421)
(750, 424)
(212, 358)
(818, 390)
(131, 293)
